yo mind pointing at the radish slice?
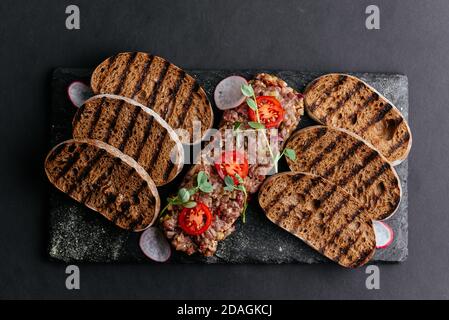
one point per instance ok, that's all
(384, 234)
(228, 92)
(154, 245)
(78, 93)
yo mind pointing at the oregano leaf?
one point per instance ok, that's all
(229, 181)
(251, 103)
(247, 90)
(290, 153)
(206, 187)
(201, 178)
(190, 204)
(183, 195)
(256, 125)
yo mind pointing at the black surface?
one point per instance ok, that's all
(79, 234)
(298, 35)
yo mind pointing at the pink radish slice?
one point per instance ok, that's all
(384, 234)
(78, 93)
(154, 245)
(228, 92)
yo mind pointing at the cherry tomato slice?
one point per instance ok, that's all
(270, 110)
(195, 221)
(238, 164)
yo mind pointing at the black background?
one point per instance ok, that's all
(297, 35)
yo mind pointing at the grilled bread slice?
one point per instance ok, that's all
(346, 102)
(350, 163)
(105, 180)
(158, 85)
(135, 130)
(321, 214)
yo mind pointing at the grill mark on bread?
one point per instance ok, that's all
(110, 63)
(56, 152)
(367, 160)
(344, 251)
(96, 117)
(333, 213)
(405, 138)
(113, 123)
(348, 154)
(143, 76)
(364, 255)
(188, 103)
(85, 171)
(131, 58)
(372, 179)
(295, 179)
(322, 200)
(129, 128)
(168, 111)
(313, 183)
(71, 161)
(133, 222)
(338, 232)
(341, 102)
(157, 85)
(372, 98)
(325, 95)
(328, 149)
(124, 206)
(103, 176)
(150, 103)
(378, 117)
(321, 132)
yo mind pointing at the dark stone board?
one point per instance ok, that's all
(79, 234)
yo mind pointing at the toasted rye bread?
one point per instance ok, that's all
(321, 214)
(346, 102)
(349, 162)
(105, 180)
(158, 85)
(135, 130)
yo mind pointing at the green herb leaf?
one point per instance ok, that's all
(190, 204)
(251, 103)
(229, 188)
(290, 153)
(237, 125)
(201, 178)
(247, 90)
(206, 187)
(239, 178)
(192, 191)
(241, 188)
(175, 201)
(183, 195)
(256, 125)
(229, 181)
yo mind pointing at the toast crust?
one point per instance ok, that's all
(321, 214)
(159, 85)
(347, 102)
(105, 180)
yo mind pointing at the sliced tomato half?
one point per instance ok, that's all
(231, 163)
(271, 113)
(195, 221)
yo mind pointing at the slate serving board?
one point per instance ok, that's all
(79, 234)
